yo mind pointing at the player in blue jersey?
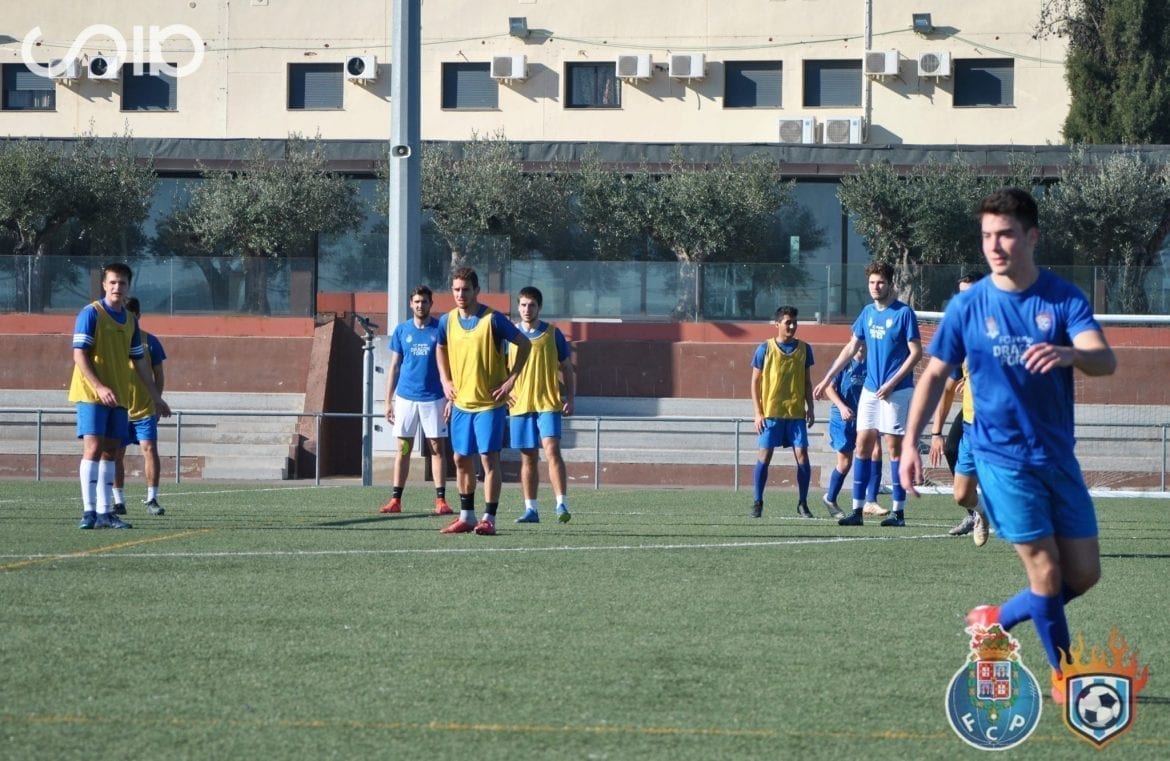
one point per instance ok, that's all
(844, 392)
(107, 348)
(1021, 332)
(478, 380)
(893, 345)
(414, 398)
(783, 405)
(542, 395)
(143, 427)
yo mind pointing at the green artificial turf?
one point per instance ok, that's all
(298, 623)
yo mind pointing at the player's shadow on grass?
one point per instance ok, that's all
(373, 519)
(1135, 555)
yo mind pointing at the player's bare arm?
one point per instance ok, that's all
(523, 349)
(940, 420)
(142, 367)
(839, 363)
(757, 408)
(907, 367)
(444, 365)
(1090, 353)
(926, 396)
(392, 374)
(569, 382)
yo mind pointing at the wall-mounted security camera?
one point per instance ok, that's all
(400, 151)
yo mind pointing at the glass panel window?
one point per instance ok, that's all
(469, 86)
(752, 84)
(152, 90)
(314, 86)
(832, 83)
(26, 91)
(592, 85)
(984, 82)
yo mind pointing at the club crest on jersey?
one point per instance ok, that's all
(1044, 321)
(992, 328)
(1100, 691)
(993, 702)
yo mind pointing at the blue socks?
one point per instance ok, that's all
(861, 478)
(759, 479)
(836, 481)
(874, 482)
(899, 493)
(803, 476)
(1047, 613)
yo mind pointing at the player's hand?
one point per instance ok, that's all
(810, 418)
(447, 412)
(106, 395)
(883, 391)
(390, 411)
(847, 414)
(449, 390)
(1042, 357)
(910, 471)
(819, 389)
(567, 407)
(936, 451)
(162, 408)
(960, 384)
(759, 421)
(504, 389)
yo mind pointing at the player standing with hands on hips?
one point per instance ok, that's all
(1022, 331)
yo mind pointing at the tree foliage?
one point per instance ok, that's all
(922, 217)
(1115, 213)
(1116, 68)
(480, 193)
(264, 209)
(94, 191)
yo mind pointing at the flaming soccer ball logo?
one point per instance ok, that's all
(1101, 688)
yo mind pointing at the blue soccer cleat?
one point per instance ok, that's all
(563, 514)
(109, 520)
(530, 516)
(88, 518)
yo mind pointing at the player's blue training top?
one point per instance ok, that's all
(762, 351)
(848, 384)
(886, 333)
(154, 350)
(1025, 419)
(85, 328)
(563, 350)
(418, 375)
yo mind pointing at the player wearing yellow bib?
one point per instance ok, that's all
(143, 427)
(537, 404)
(476, 379)
(105, 337)
(783, 402)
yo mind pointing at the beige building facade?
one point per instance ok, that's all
(685, 71)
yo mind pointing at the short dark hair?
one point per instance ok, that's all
(120, 268)
(132, 305)
(467, 275)
(532, 292)
(885, 269)
(1012, 202)
(971, 277)
(786, 311)
(422, 290)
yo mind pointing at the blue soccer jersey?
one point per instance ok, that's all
(418, 376)
(848, 384)
(1024, 418)
(886, 333)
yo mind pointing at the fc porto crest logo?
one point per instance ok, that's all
(993, 701)
(1100, 690)
(1044, 321)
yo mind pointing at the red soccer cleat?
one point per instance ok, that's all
(442, 508)
(1058, 688)
(983, 615)
(485, 528)
(393, 506)
(457, 526)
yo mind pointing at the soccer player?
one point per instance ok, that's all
(143, 427)
(477, 380)
(844, 392)
(105, 337)
(893, 345)
(537, 404)
(414, 397)
(783, 404)
(1022, 331)
(956, 448)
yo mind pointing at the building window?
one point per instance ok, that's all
(469, 86)
(752, 84)
(832, 83)
(26, 91)
(152, 90)
(314, 86)
(592, 85)
(984, 82)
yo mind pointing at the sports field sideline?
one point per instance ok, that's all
(260, 621)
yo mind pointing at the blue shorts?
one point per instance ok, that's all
(477, 432)
(145, 429)
(965, 462)
(842, 435)
(100, 420)
(1026, 504)
(528, 430)
(784, 432)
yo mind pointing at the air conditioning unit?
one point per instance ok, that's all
(936, 63)
(509, 67)
(688, 65)
(69, 69)
(361, 68)
(104, 67)
(634, 66)
(798, 129)
(881, 63)
(842, 130)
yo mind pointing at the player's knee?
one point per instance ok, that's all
(404, 447)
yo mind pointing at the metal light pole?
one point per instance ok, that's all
(405, 261)
(367, 400)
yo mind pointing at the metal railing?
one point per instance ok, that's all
(578, 424)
